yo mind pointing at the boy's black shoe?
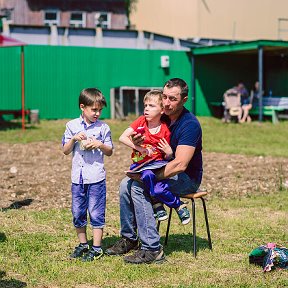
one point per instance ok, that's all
(183, 213)
(159, 212)
(79, 251)
(92, 255)
(146, 257)
(122, 246)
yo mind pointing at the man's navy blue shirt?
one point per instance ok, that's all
(187, 131)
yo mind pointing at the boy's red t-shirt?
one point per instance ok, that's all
(151, 141)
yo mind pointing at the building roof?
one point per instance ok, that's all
(7, 41)
(244, 47)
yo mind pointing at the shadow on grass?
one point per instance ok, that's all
(107, 242)
(3, 237)
(9, 283)
(15, 125)
(183, 242)
(176, 242)
(18, 204)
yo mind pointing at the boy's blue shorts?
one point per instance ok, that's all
(91, 198)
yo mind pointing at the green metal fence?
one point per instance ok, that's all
(10, 78)
(55, 75)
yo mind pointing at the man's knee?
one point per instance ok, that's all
(124, 186)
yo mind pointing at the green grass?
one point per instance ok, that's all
(34, 247)
(254, 138)
(34, 244)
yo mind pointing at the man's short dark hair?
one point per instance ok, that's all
(177, 82)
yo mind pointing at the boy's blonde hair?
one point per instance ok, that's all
(155, 95)
(89, 96)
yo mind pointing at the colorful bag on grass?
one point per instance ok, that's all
(270, 256)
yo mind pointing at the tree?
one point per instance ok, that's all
(130, 6)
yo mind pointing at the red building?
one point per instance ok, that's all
(109, 14)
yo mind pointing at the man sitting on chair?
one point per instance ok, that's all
(184, 174)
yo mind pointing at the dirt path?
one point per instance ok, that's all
(37, 175)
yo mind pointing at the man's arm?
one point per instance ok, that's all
(68, 147)
(183, 155)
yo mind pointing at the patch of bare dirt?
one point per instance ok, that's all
(37, 175)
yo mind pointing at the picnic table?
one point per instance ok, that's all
(15, 113)
(275, 107)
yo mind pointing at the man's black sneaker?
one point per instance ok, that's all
(92, 255)
(122, 246)
(79, 251)
(146, 257)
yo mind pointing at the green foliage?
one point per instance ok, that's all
(130, 6)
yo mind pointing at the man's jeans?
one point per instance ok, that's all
(136, 213)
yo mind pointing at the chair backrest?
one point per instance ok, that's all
(232, 98)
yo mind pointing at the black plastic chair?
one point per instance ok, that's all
(192, 197)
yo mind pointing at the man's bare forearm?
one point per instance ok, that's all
(172, 168)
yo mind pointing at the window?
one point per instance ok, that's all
(6, 15)
(78, 19)
(103, 19)
(51, 17)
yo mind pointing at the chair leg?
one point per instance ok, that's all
(158, 225)
(194, 228)
(168, 226)
(207, 224)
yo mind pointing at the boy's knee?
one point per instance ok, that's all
(79, 222)
(148, 175)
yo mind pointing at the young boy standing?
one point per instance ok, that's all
(89, 139)
(154, 153)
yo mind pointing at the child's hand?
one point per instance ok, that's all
(93, 144)
(165, 148)
(80, 136)
(146, 151)
(137, 138)
(150, 151)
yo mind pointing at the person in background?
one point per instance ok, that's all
(252, 102)
(88, 139)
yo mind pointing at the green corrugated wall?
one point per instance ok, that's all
(10, 78)
(55, 75)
